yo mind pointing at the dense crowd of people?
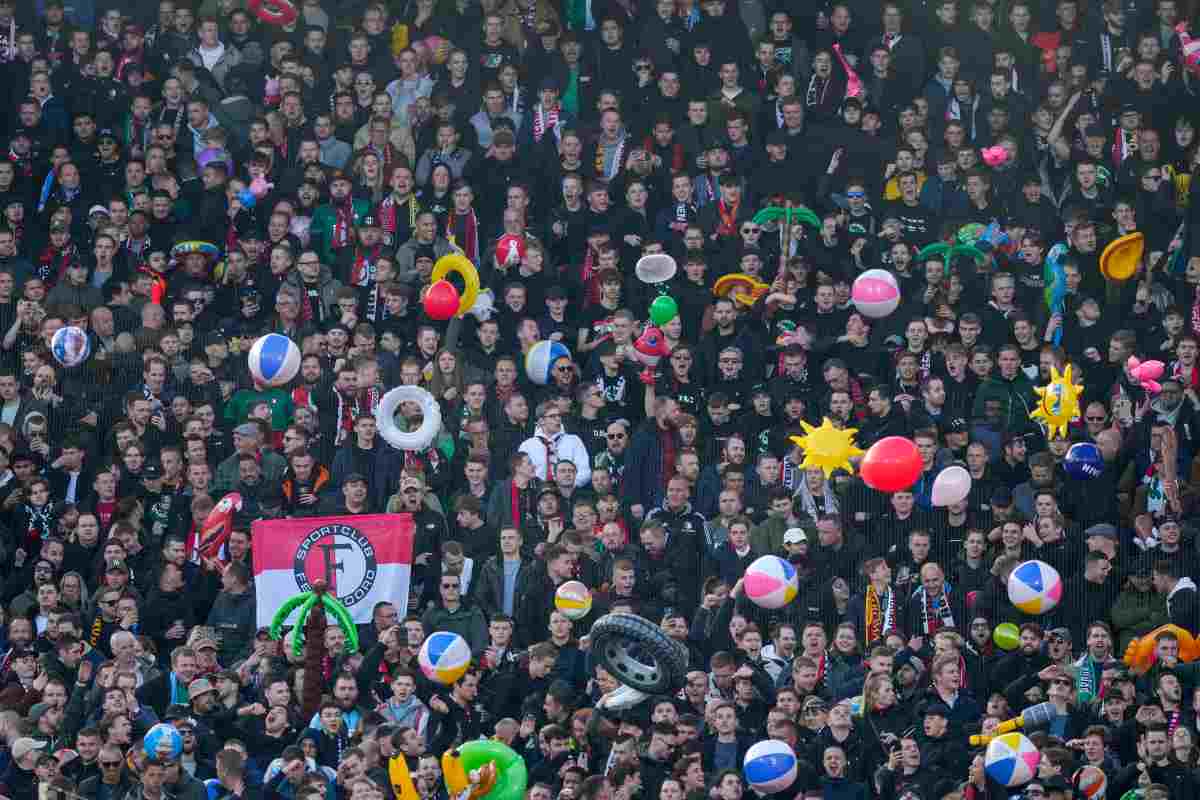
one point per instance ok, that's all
(184, 177)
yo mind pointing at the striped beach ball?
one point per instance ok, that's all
(875, 293)
(1011, 759)
(540, 360)
(1035, 587)
(70, 346)
(1090, 782)
(444, 657)
(769, 766)
(770, 582)
(274, 360)
(573, 599)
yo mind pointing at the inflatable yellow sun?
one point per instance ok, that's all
(827, 447)
(1059, 403)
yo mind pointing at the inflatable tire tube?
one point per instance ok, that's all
(612, 637)
(457, 262)
(422, 437)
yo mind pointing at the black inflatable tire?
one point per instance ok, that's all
(613, 634)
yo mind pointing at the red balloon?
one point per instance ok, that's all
(441, 301)
(892, 464)
(510, 249)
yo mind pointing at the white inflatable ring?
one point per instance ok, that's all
(422, 437)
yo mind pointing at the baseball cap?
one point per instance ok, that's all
(176, 711)
(777, 137)
(151, 471)
(117, 565)
(556, 292)
(794, 536)
(957, 425)
(213, 338)
(200, 686)
(1002, 496)
(504, 137)
(355, 477)
(1101, 529)
(937, 709)
(369, 221)
(24, 746)
(106, 133)
(814, 703)
(1060, 633)
(203, 643)
(98, 209)
(246, 429)
(548, 84)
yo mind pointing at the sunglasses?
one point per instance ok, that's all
(615, 435)
(110, 764)
(855, 194)
(449, 585)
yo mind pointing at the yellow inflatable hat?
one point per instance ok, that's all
(1119, 261)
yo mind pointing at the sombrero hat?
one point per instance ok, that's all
(742, 288)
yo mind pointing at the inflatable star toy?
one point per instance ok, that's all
(827, 447)
(1059, 404)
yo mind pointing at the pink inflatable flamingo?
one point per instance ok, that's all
(854, 84)
(1146, 373)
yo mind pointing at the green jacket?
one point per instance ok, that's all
(467, 622)
(1136, 614)
(321, 228)
(1016, 396)
(238, 407)
(273, 469)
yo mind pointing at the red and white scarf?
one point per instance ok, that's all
(936, 613)
(462, 230)
(363, 271)
(551, 455)
(544, 120)
(343, 220)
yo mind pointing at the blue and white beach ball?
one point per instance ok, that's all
(444, 657)
(274, 360)
(769, 766)
(1083, 461)
(163, 741)
(70, 346)
(540, 360)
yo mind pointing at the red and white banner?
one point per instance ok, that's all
(364, 559)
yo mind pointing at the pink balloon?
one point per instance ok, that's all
(952, 485)
(994, 156)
